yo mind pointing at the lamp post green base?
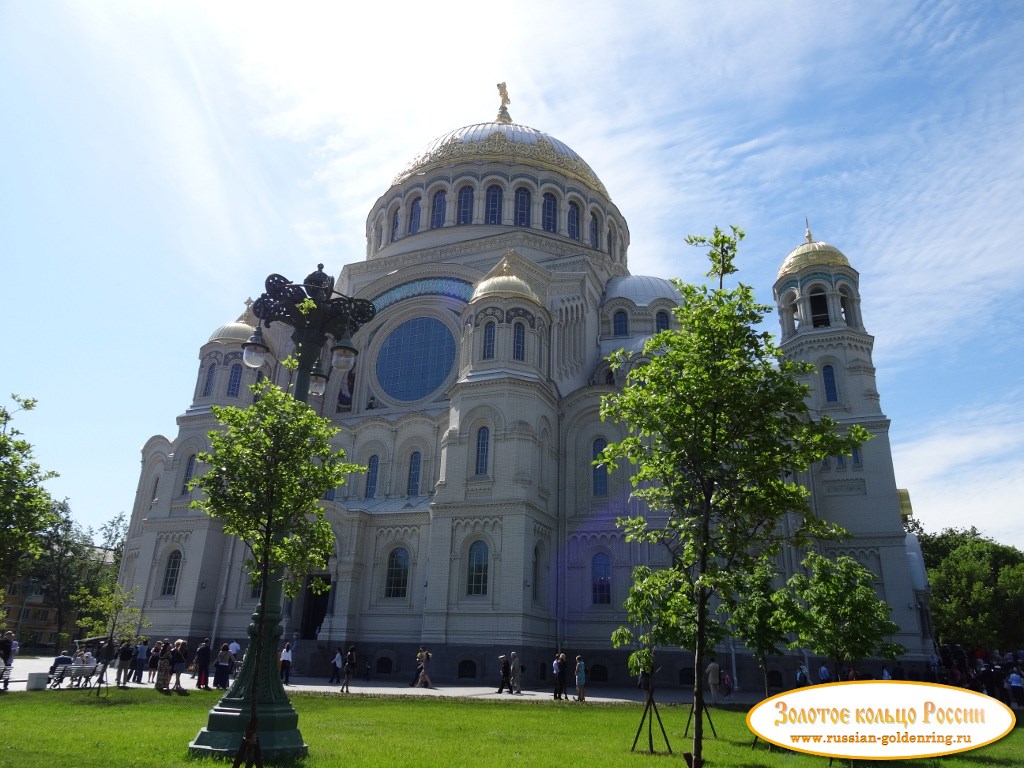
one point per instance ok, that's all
(277, 721)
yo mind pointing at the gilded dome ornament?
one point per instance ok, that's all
(503, 115)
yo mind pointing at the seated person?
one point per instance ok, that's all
(62, 660)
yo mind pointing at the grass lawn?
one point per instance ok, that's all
(138, 727)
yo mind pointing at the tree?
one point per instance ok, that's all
(65, 560)
(718, 429)
(25, 506)
(269, 467)
(107, 610)
(754, 614)
(977, 587)
(833, 609)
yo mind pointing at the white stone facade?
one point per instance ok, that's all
(497, 263)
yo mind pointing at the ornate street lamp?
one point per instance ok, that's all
(315, 312)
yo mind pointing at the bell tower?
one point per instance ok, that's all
(818, 297)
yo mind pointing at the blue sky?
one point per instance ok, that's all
(158, 160)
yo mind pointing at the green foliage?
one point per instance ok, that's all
(106, 610)
(270, 465)
(836, 612)
(718, 429)
(25, 505)
(754, 616)
(67, 559)
(977, 587)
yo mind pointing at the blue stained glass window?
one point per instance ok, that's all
(211, 376)
(574, 221)
(856, 457)
(235, 380)
(661, 321)
(398, 573)
(415, 359)
(492, 212)
(600, 473)
(488, 341)
(483, 444)
(523, 203)
(601, 579)
(413, 486)
(476, 573)
(437, 210)
(519, 341)
(550, 215)
(465, 215)
(620, 323)
(414, 217)
(828, 377)
(371, 477)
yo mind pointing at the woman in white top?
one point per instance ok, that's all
(286, 663)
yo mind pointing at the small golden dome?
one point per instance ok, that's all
(812, 253)
(505, 285)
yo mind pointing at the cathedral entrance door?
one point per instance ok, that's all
(314, 608)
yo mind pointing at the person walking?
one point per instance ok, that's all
(516, 676)
(286, 663)
(424, 679)
(581, 679)
(563, 673)
(125, 657)
(350, 668)
(419, 666)
(714, 678)
(506, 671)
(337, 663)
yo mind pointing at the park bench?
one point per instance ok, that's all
(77, 675)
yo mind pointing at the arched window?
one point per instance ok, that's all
(190, 470)
(661, 321)
(397, 581)
(394, 227)
(594, 240)
(550, 213)
(370, 491)
(156, 486)
(488, 352)
(412, 487)
(414, 217)
(601, 579)
(819, 309)
(476, 572)
(483, 446)
(171, 573)
(574, 221)
(828, 378)
(380, 235)
(519, 341)
(465, 214)
(620, 323)
(492, 207)
(611, 241)
(235, 380)
(211, 376)
(522, 207)
(599, 485)
(437, 210)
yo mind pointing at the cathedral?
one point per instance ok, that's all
(497, 264)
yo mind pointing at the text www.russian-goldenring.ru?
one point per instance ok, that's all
(885, 739)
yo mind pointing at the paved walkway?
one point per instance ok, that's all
(595, 693)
